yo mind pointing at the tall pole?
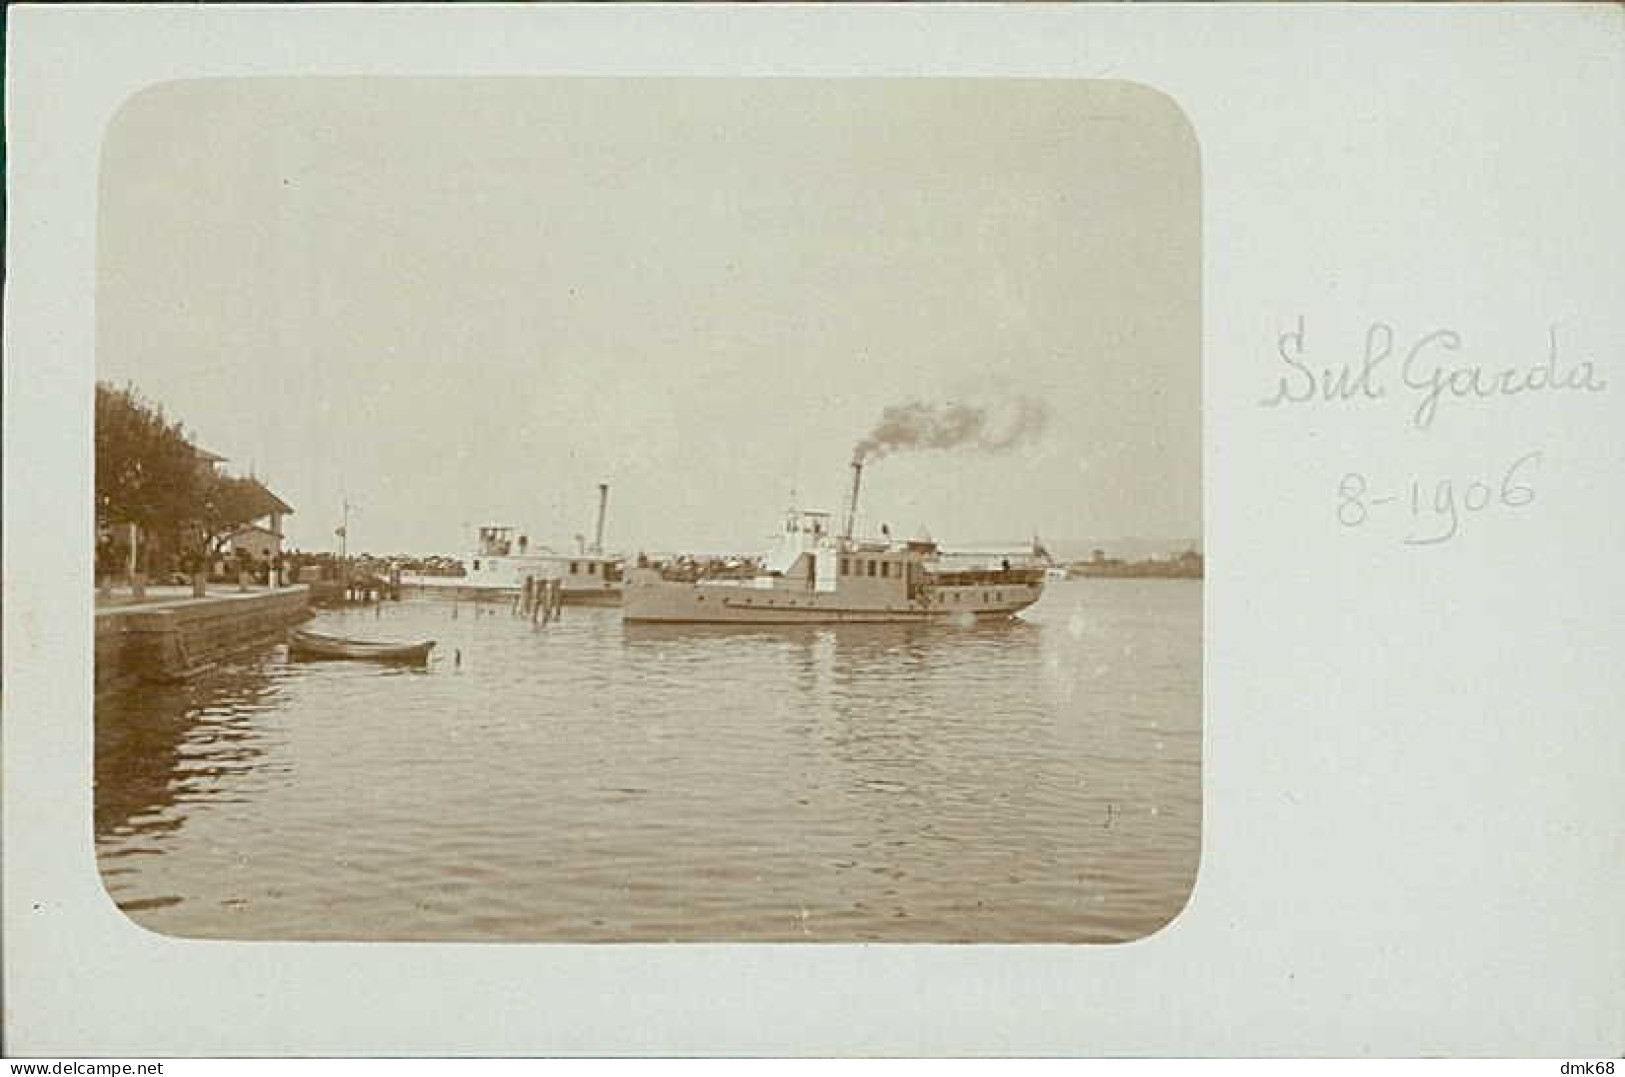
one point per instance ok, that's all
(598, 532)
(344, 546)
(852, 505)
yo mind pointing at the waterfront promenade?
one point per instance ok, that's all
(122, 598)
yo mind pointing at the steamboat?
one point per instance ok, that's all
(501, 562)
(815, 576)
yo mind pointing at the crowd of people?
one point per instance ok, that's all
(158, 565)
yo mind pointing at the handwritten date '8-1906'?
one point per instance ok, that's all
(1437, 507)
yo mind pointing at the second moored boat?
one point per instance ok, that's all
(501, 562)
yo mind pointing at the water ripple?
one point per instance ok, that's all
(593, 781)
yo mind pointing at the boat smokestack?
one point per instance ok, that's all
(603, 504)
(852, 505)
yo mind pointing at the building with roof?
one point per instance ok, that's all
(260, 539)
(270, 508)
(256, 542)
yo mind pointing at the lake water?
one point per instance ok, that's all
(1038, 781)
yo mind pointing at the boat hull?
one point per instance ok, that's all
(309, 645)
(454, 587)
(581, 596)
(667, 602)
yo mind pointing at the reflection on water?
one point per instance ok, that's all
(588, 780)
(192, 741)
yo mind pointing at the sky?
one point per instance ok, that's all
(456, 301)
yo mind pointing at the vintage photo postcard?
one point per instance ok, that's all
(1052, 530)
(651, 510)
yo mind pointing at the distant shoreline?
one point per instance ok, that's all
(1134, 572)
(1186, 566)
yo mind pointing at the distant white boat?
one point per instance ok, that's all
(502, 561)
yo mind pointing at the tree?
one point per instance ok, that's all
(147, 472)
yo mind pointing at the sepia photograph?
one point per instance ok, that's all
(844, 531)
(647, 510)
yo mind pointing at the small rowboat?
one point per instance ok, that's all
(303, 644)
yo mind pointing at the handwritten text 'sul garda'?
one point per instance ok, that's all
(1432, 371)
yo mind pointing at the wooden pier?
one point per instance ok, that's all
(540, 600)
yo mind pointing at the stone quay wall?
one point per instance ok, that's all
(168, 641)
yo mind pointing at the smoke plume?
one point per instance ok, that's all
(915, 426)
